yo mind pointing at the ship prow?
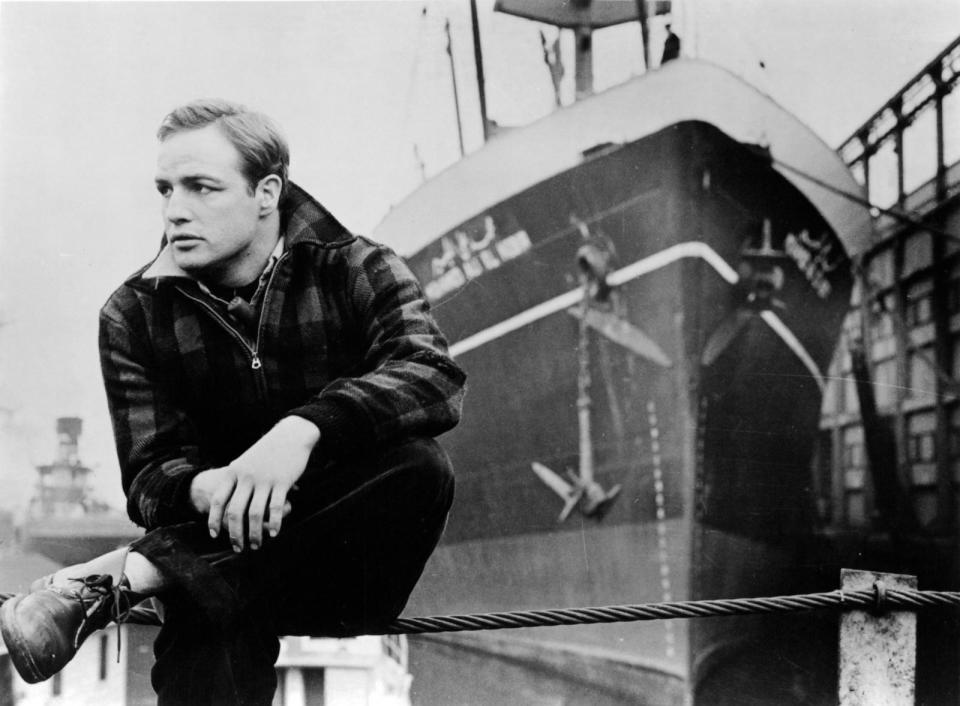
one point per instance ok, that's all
(684, 90)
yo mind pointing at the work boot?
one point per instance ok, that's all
(44, 629)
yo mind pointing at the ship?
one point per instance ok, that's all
(64, 521)
(645, 289)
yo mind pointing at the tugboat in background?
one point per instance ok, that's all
(64, 522)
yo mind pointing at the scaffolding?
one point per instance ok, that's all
(905, 311)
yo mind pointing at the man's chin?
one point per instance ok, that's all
(190, 263)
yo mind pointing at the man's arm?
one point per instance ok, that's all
(157, 444)
(158, 448)
(252, 490)
(409, 386)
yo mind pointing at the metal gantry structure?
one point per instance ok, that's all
(905, 316)
(885, 137)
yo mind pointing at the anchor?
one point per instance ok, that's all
(583, 490)
(594, 501)
(761, 278)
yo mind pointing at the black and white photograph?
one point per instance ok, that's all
(480, 353)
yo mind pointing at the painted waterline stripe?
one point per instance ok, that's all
(672, 254)
(782, 330)
(630, 272)
(621, 276)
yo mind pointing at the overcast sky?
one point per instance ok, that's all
(363, 91)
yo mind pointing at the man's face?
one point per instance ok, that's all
(211, 216)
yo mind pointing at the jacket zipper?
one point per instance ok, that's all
(263, 311)
(256, 364)
(251, 350)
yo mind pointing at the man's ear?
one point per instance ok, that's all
(268, 194)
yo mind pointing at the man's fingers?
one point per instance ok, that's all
(237, 514)
(218, 502)
(279, 507)
(287, 508)
(255, 515)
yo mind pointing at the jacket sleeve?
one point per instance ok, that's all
(409, 385)
(156, 442)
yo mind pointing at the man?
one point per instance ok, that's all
(671, 47)
(275, 383)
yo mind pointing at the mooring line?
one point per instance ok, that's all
(878, 599)
(868, 599)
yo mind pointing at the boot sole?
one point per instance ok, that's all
(17, 645)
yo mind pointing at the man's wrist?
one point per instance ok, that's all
(199, 499)
(301, 429)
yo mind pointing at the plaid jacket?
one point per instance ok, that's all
(344, 339)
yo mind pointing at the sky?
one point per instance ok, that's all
(363, 91)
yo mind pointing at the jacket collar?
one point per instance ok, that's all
(303, 221)
(165, 266)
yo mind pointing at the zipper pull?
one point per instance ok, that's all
(255, 363)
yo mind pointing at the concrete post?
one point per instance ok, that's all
(294, 689)
(878, 648)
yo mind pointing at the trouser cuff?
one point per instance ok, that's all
(192, 582)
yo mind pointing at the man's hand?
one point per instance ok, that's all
(252, 491)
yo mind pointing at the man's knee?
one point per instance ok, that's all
(426, 467)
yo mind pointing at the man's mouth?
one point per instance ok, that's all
(183, 238)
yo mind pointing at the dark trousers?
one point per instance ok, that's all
(347, 558)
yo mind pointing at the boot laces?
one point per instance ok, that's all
(95, 589)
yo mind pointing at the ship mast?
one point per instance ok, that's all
(583, 17)
(644, 32)
(478, 60)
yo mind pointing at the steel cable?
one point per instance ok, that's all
(895, 213)
(876, 599)
(864, 599)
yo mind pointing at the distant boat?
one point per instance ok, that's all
(64, 522)
(645, 289)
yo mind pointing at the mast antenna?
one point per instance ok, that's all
(456, 93)
(478, 60)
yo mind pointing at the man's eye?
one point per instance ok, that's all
(203, 189)
(163, 189)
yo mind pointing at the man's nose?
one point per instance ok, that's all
(175, 208)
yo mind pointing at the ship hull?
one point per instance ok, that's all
(708, 430)
(645, 290)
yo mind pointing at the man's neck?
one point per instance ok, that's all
(251, 262)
